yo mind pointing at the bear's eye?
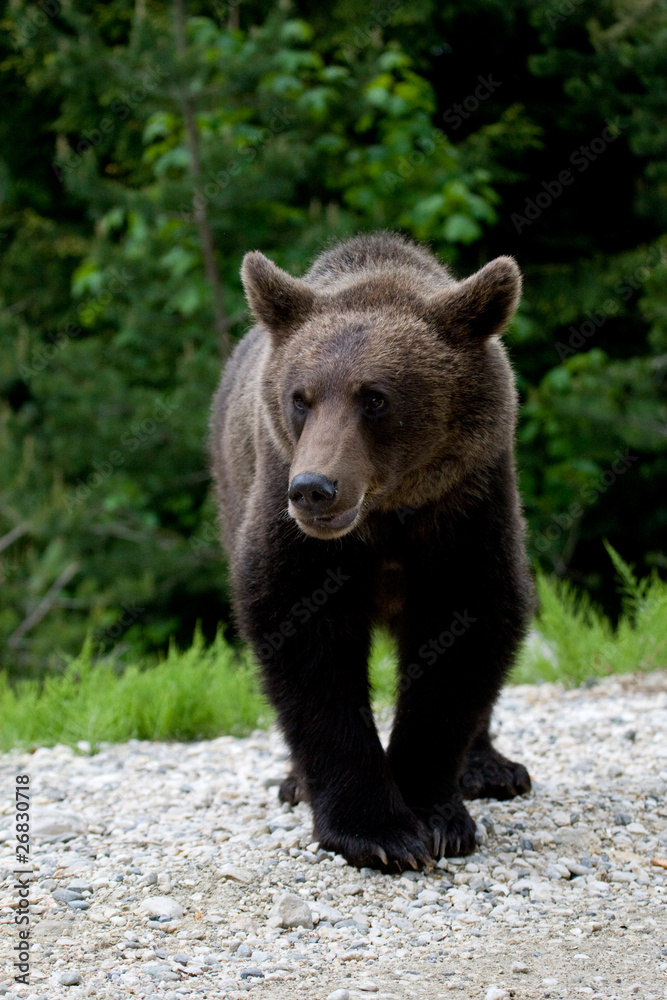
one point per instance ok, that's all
(374, 402)
(299, 403)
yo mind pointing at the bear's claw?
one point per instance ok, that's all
(489, 775)
(382, 855)
(451, 830)
(398, 844)
(291, 790)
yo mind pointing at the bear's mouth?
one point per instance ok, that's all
(336, 521)
(328, 525)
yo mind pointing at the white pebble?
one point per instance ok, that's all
(208, 855)
(291, 911)
(236, 873)
(162, 906)
(69, 978)
(351, 888)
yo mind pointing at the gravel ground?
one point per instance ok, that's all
(170, 870)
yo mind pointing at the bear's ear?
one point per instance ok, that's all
(481, 305)
(277, 299)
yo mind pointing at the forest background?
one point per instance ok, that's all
(145, 147)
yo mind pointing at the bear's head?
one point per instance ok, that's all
(385, 388)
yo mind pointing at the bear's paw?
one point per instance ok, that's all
(451, 829)
(398, 844)
(292, 790)
(489, 775)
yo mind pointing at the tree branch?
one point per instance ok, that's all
(44, 605)
(198, 200)
(12, 535)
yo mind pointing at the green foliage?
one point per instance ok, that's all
(382, 669)
(575, 640)
(122, 232)
(206, 691)
(198, 693)
(595, 382)
(572, 640)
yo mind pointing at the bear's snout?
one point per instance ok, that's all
(315, 503)
(312, 492)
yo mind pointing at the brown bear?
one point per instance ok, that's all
(362, 446)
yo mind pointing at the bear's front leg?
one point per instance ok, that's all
(468, 603)
(487, 774)
(305, 605)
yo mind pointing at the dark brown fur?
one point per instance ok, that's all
(383, 377)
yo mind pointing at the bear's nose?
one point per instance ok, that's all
(312, 492)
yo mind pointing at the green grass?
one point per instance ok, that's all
(576, 641)
(197, 693)
(572, 640)
(382, 669)
(202, 692)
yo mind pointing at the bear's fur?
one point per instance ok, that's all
(362, 445)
